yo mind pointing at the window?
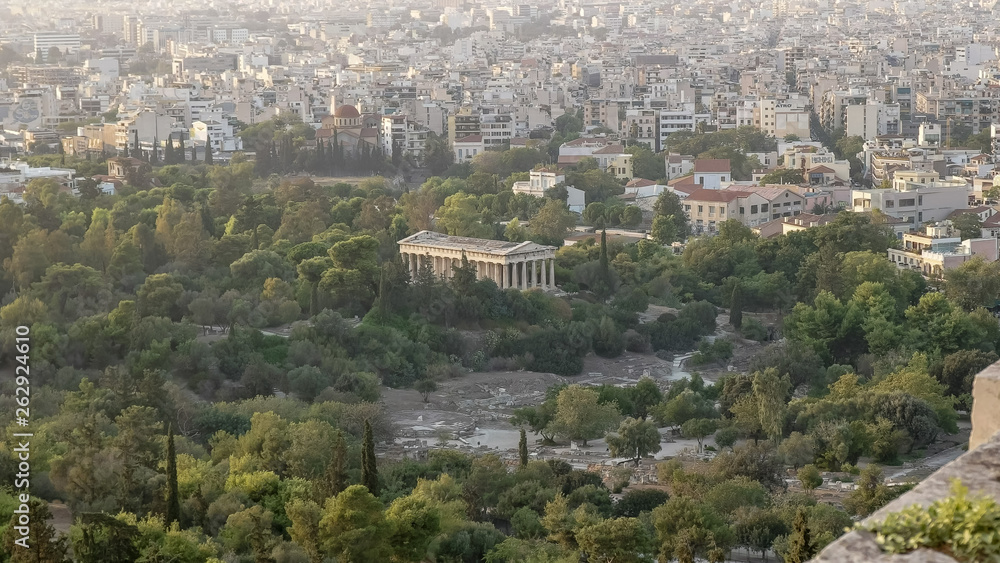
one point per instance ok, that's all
(907, 202)
(763, 207)
(753, 209)
(687, 208)
(701, 209)
(741, 211)
(711, 210)
(701, 180)
(888, 204)
(920, 200)
(920, 216)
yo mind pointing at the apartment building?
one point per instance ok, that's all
(67, 43)
(915, 197)
(408, 135)
(940, 248)
(543, 179)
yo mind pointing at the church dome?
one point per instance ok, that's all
(346, 112)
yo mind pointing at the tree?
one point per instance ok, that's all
(100, 538)
(43, 545)
(801, 548)
(631, 216)
(616, 540)
(635, 439)
(425, 387)
(645, 394)
(579, 416)
(305, 517)
(647, 164)
(514, 232)
(797, 449)
(683, 407)
(810, 477)
(871, 492)
(782, 176)
(552, 222)
(670, 223)
(698, 428)
(460, 216)
(173, 497)
(334, 478)
(726, 436)
(369, 470)
(608, 341)
(975, 283)
(353, 527)
(522, 449)
(736, 307)
(208, 154)
(414, 522)
(969, 225)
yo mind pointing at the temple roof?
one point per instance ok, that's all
(497, 247)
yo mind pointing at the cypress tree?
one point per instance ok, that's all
(194, 153)
(369, 470)
(318, 156)
(335, 477)
(208, 153)
(800, 548)
(262, 163)
(522, 448)
(736, 307)
(173, 497)
(154, 158)
(168, 150)
(604, 250)
(135, 146)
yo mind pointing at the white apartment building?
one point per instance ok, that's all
(683, 118)
(468, 147)
(218, 134)
(780, 118)
(67, 43)
(408, 135)
(496, 128)
(915, 197)
(545, 178)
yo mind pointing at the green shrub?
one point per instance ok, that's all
(965, 528)
(752, 329)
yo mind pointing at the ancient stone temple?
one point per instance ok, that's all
(523, 265)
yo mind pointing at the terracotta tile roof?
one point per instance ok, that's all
(822, 169)
(716, 195)
(683, 180)
(639, 183)
(470, 139)
(611, 149)
(711, 165)
(993, 221)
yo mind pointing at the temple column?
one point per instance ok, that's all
(552, 273)
(510, 273)
(545, 274)
(414, 268)
(534, 273)
(524, 275)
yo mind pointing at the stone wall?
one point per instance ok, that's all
(985, 406)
